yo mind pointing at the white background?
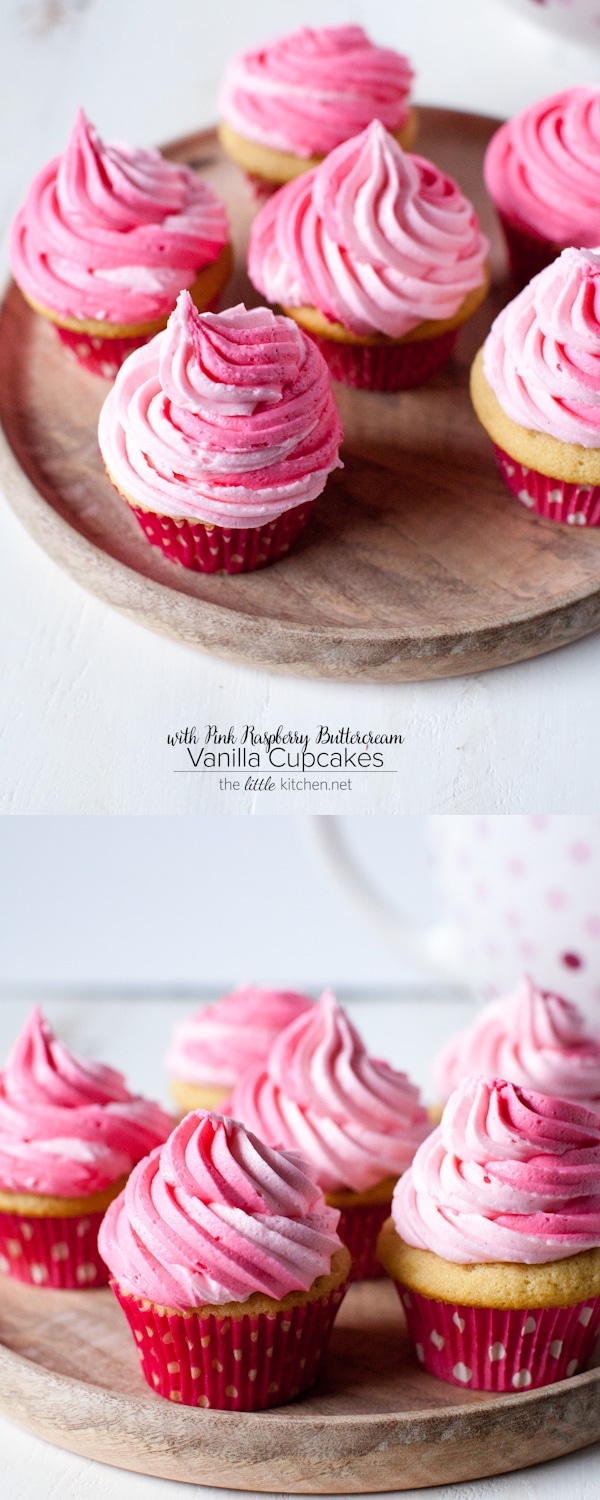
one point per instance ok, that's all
(87, 698)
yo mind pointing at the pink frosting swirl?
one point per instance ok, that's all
(375, 238)
(215, 1215)
(542, 354)
(542, 169)
(308, 92)
(355, 1118)
(113, 232)
(532, 1038)
(217, 1043)
(68, 1128)
(509, 1175)
(227, 417)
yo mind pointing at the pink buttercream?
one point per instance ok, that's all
(530, 1037)
(356, 1119)
(217, 1043)
(68, 1128)
(215, 1215)
(307, 92)
(225, 417)
(542, 354)
(542, 169)
(375, 238)
(113, 232)
(509, 1175)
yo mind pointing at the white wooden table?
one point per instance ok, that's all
(87, 697)
(132, 1034)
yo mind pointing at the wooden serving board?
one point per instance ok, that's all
(376, 1421)
(416, 562)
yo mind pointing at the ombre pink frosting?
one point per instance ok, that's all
(112, 233)
(215, 1215)
(309, 91)
(542, 169)
(216, 1044)
(375, 238)
(225, 417)
(533, 1038)
(354, 1118)
(68, 1128)
(542, 354)
(509, 1175)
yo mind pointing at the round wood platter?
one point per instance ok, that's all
(375, 1422)
(416, 562)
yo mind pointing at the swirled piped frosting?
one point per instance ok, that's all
(542, 354)
(214, 1216)
(111, 232)
(356, 1119)
(225, 417)
(509, 1175)
(68, 1127)
(542, 168)
(375, 238)
(217, 1043)
(530, 1037)
(309, 91)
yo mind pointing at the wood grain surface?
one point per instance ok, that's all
(376, 1421)
(416, 562)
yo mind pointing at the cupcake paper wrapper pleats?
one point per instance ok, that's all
(52, 1252)
(528, 253)
(386, 367)
(101, 356)
(231, 1364)
(358, 1230)
(216, 549)
(555, 499)
(497, 1349)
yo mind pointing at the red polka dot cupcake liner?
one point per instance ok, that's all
(217, 549)
(101, 356)
(56, 1252)
(386, 367)
(358, 1230)
(527, 253)
(555, 499)
(498, 1349)
(231, 1364)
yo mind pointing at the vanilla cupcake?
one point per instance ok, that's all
(213, 1047)
(70, 1133)
(284, 106)
(494, 1239)
(225, 1259)
(355, 1119)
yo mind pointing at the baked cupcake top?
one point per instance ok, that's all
(68, 1127)
(377, 239)
(227, 417)
(531, 1037)
(214, 1216)
(509, 1175)
(217, 1043)
(542, 354)
(356, 1119)
(111, 232)
(307, 92)
(542, 169)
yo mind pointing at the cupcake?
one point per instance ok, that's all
(212, 1048)
(378, 256)
(535, 386)
(107, 237)
(542, 172)
(225, 1259)
(287, 105)
(355, 1119)
(494, 1239)
(530, 1037)
(70, 1133)
(220, 434)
